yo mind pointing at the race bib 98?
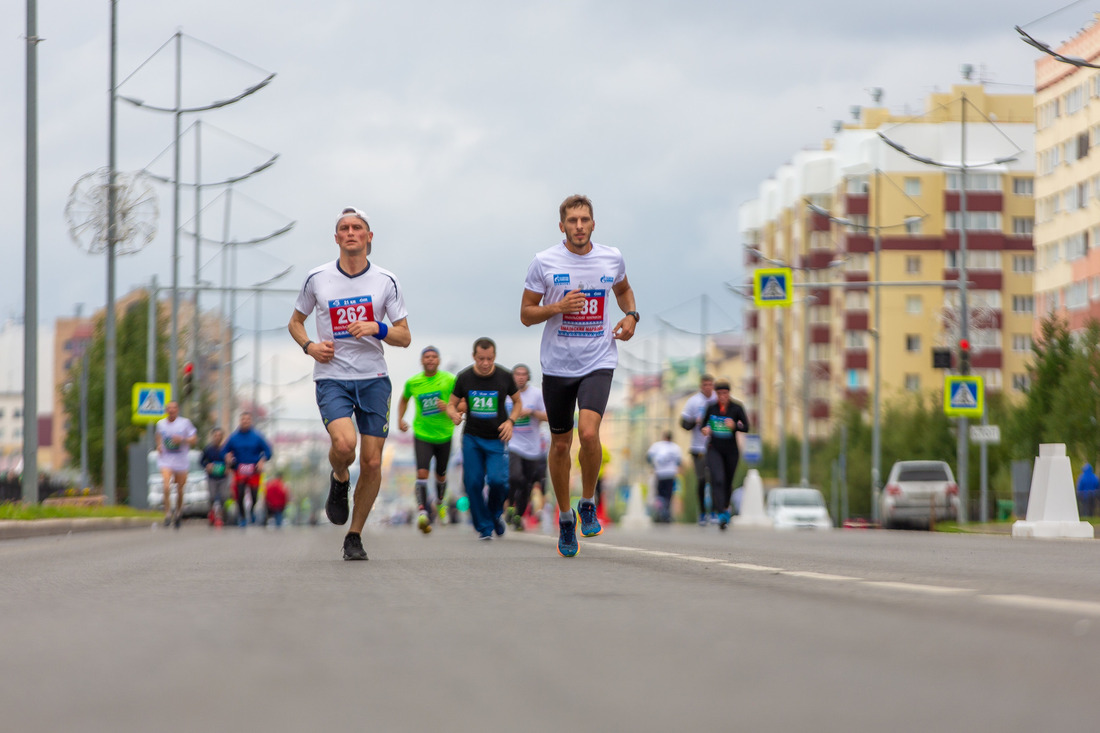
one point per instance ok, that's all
(345, 311)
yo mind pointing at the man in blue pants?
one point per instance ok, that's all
(479, 392)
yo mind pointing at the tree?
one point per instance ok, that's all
(131, 339)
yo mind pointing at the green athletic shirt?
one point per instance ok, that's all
(430, 395)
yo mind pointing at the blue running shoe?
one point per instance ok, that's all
(590, 526)
(567, 537)
(723, 520)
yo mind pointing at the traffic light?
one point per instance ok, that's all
(964, 356)
(188, 379)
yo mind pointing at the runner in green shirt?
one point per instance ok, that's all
(432, 429)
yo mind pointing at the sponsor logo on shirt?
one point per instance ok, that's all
(561, 279)
(607, 279)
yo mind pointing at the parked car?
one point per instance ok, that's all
(196, 494)
(797, 508)
(917, 491)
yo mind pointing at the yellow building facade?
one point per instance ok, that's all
(804, 362)
(1067, 183)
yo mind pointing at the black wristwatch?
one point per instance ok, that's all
(635, 314)
(305, 347)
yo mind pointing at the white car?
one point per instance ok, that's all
(196, 494)
(797, 508)
(917, 490)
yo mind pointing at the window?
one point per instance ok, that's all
(856, 300)
(857, 379)
(820, 352)
(859, 185)
(912, 187)
(914, 226)
(912, 382)
(981, 221)
(975, 181)
(855, 339)
(1021, 342)
(1082, 145)
(858, 222)
(1023, 225)
(1020, 382)
(860, 262)
(975, 259)
(912, 342)
(1023, 303)
(1023, 186)
(912, 264)
(1077, 296)
(1023, 263)
(914, 304)
(17, 412)
(1076, 246)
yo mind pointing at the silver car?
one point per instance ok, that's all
(196, 493)
(918, 493)
(797, 508)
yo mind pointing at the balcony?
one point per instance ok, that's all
(975, 201)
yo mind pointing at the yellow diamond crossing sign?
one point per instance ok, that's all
(148, 400)
(771, 287)
(963, 396)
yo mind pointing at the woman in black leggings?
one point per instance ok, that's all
(721, 423)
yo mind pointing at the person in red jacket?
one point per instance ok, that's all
(276, 497)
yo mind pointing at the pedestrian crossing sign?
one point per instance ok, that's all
(149, 400)
(771, 288)
(963, 396)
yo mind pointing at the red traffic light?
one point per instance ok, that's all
(963, 344)
(188, 368)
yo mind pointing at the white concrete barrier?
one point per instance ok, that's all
(636, 516)
(752, 503)
(1052, 504)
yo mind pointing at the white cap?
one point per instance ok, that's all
(352, 211)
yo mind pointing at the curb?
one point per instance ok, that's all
(12, 529)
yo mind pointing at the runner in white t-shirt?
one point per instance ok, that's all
(176, 436)
(526, 455)
(665, 457)
(568, 287)
(692, 419)
(351, 299)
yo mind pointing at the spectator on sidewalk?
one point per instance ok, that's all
(1088, 492)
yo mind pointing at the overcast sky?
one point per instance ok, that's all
(459, 128)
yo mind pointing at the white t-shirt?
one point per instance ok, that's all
(526, 441)
(174, 453)
(336, 300)
(577, 344)
(665, 457)
(696, 405)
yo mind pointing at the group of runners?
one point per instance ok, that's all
(237, 462)
(358, 306)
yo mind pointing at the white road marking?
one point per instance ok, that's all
(1080, 608)
(916, 587)
(1037, 603)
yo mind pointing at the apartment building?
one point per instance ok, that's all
(865, 190)
(1067, 183)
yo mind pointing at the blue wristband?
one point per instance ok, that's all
(383, 329)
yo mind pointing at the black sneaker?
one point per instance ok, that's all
(498, 527)
(353, 547)
(336, 508)
(177, 520)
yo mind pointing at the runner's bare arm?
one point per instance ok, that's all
(532, 312)
(402, 405)
(321, 351)
(624, 296)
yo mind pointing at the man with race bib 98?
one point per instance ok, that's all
(568, 287)
(351, 298)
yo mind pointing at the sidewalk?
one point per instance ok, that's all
(18, 529)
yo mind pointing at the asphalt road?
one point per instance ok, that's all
(675, 628)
